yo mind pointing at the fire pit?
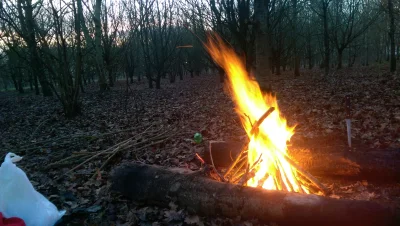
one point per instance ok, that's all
(264, 161)
(262, 181)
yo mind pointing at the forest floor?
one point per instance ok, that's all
(35, 128)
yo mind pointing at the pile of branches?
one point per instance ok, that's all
(64, 142)
(239, 172)
(142, 138)
(147, 138)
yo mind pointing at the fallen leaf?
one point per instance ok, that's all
(193, 220)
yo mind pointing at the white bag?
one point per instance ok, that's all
(18, 197)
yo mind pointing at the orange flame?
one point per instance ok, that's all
(267, 148)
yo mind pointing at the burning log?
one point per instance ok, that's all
(383, 166)
(200, 195)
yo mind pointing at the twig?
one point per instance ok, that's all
(39, 126)
(320, 186)
(81, 135)
(252, 131)
(98, 154)
(244, 179)
(243, 161)
(248, 118)
(256, 162)
(118, 150)
(215, 169)
(119, 145)
(261, 120)
(244, 148)
(200, 158)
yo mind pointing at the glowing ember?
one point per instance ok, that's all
(267, 150)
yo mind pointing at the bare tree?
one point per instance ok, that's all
(66, 21)
(159, 41)
(392, 30)
(262, 41)
(296, 56)
(351, 19)
(20, 16)
(95, 42)
(321, 8)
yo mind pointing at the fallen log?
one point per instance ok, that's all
(369, 165)
(203, 196)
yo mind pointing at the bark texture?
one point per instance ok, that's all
(160, 186)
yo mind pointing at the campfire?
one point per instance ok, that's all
(261, 182)
(264, 162)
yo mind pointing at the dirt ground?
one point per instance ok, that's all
(35, 128)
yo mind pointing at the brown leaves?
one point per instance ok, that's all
(317, 106)
(195, 105)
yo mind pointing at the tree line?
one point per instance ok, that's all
(56, 48)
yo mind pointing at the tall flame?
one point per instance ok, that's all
(267, 148)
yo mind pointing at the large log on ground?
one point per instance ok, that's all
(203, 196)
(369, 165)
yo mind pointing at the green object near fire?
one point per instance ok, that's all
(198, 138)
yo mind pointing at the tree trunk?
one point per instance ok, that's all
(46, 90)
(81, 85)
(20, 86)
(71, 109)
(35, 82)
(15, 82)
(180, 71)
(172, 77)
(325, 5)
(203, 196)
(391, 36)
(349, 56)
(387, 51)
(353, 59)
(30, 80)
(309, 53)
(294, 38)
(158, 82)
(97, 41)
(84, 76)
(130, 72)
(278, 64)
(150, 80)
(110, 78)
(340, 58)
(5, 84)
(263, 70)
(31, 43)
(367, 54)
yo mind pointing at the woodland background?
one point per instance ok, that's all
(58, 47)
(79, 77)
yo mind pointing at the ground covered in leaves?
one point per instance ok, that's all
(69, 160)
